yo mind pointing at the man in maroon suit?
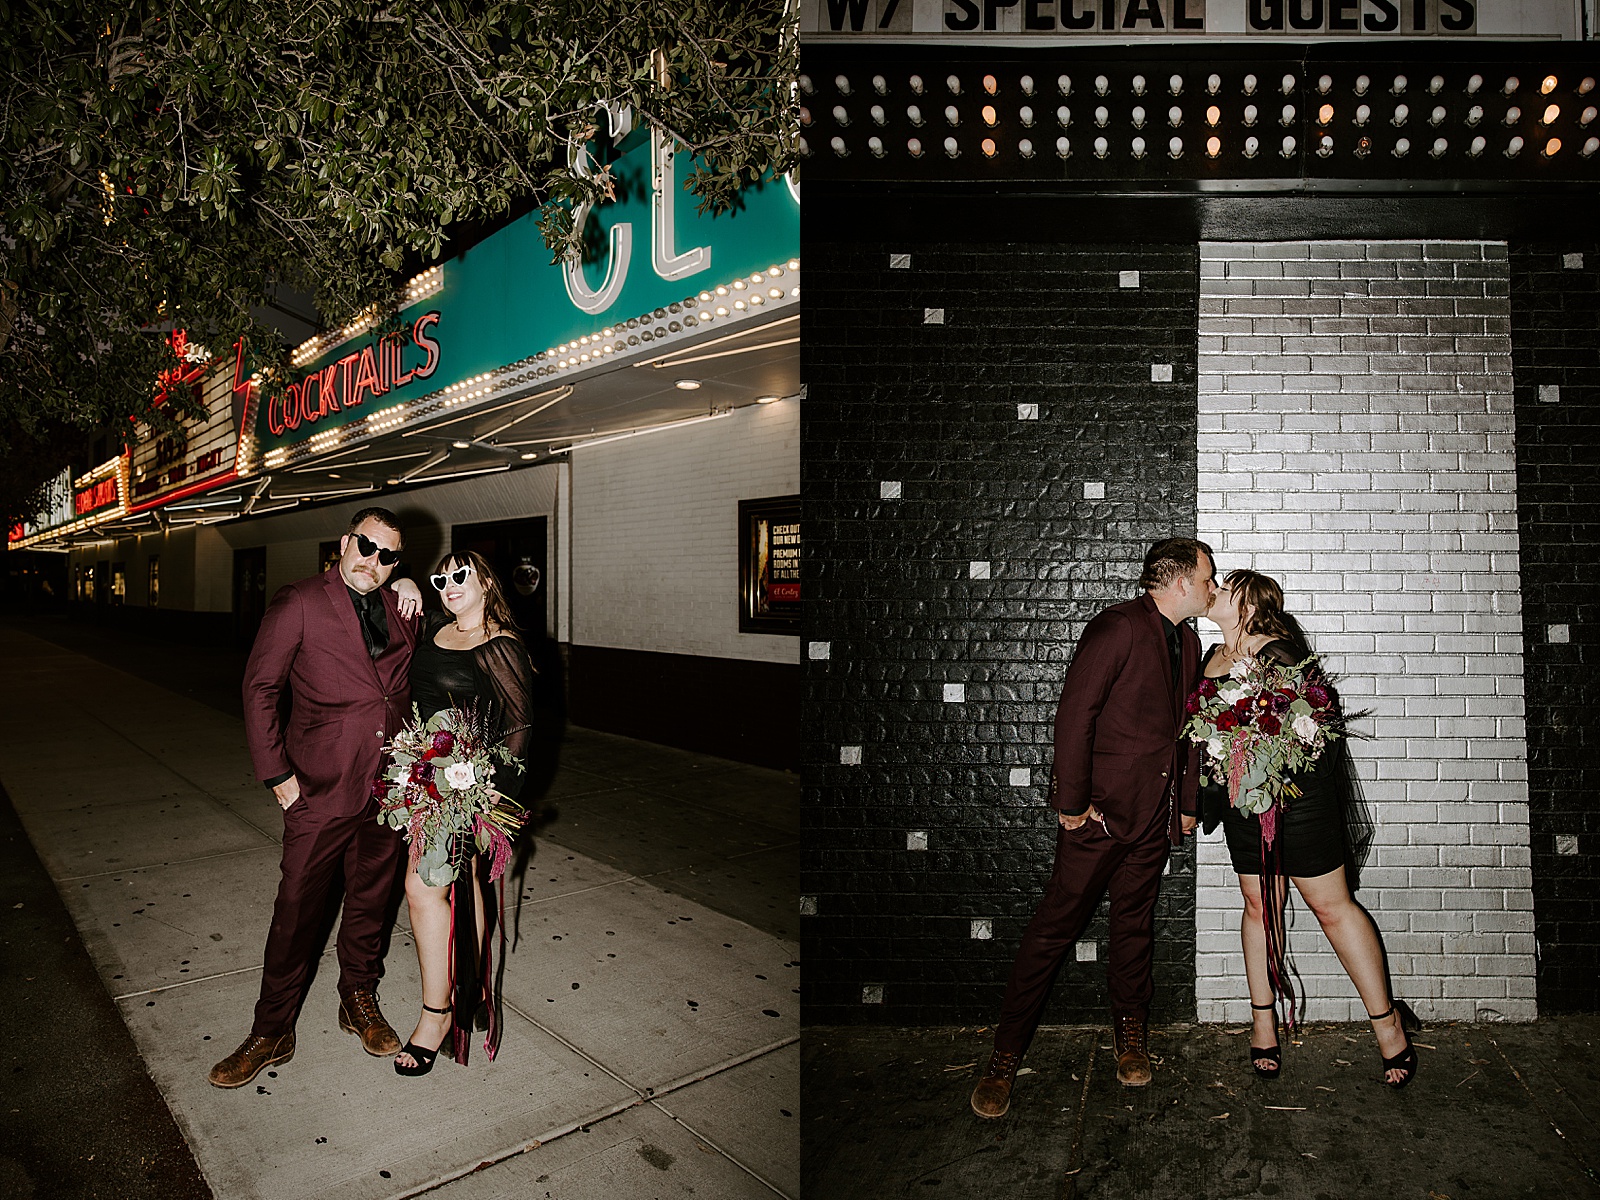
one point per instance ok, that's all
(341, 642)
(1124, 791)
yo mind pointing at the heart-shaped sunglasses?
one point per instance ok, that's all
(457, 577)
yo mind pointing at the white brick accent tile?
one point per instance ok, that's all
(1023, 777)
(1357, 443)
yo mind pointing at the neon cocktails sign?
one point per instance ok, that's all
(374, 370)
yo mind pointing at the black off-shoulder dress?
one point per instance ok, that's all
(497, 677)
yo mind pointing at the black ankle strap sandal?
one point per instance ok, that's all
(1269, 1054)
(421, 1056)
(1406, 1060)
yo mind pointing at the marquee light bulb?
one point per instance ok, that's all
(1551, 112)
(914, 147)
(1288, 147)
(1064, 147)
(1440, 145)
(1552, 147)
(913, 114)
(880, 85)
(1025, 148)
(991, 84)
(1478, 146)
(1399, 85)
(1249, 115)
(1138, 147)
(1175, 116)
(1325, 114)
(989, 115)
(916, 84)
(1402, 147)
(875, 144)
(951, 148)
(1514, 147)
(1025, 115)
(1064, 84)
(1175, 148)
(843, 84)
(1589, 114)
(1027, 85)
(1324, 84)
(840, 116)
(1213, 84)
(1436, 85)
(1548, 86)
(1589, 147)
(1249, 85)
(1213, 146)
(1586, 86)
(1473, 84)
(1101, 147)
(1213, 115)
(1138, 85)
(1102, 85)
(1363, 82)
(954, 84)
(988, 147)
(1175, 85)
(1063, 116)
(1252, 147)
(1436, 117)
(1511, 85)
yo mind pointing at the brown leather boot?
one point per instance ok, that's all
(1132, 1044)
(992, 1097)
(253, 1054)
(358, 1013)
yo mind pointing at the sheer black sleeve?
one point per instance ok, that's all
(508, 675)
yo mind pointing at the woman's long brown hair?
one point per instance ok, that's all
(1253, 590)
(496, 609)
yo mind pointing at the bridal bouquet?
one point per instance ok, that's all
(1258, 724)
(437, 788)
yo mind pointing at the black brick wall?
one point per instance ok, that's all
(1555, 330)
(886, 584)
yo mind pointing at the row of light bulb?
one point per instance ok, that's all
(1213, 86)
(1213, 147)
(1213, 116)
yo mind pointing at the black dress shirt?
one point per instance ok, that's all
(372, 619)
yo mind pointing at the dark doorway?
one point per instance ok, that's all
(249, 593)
(516, 550)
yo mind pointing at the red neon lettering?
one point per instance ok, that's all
(344, 365)
(275, 421)
(401, 378)
(427, 343)
(366, 377)
(325, 385)
(97, 496)
(291, 406)
(240, 383)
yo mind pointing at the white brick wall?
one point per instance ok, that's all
(1356, 443)
(655, 527)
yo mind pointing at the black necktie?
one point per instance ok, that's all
(1175, 654)
(374, 624)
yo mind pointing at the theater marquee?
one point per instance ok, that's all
(1049, 21)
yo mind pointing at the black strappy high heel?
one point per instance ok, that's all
(421, 1055)
(1406, 1060)
(1272, 1054)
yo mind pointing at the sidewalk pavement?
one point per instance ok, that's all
(651, 1041)
(1496, 1111)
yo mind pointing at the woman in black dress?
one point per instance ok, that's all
(1320, 833)
(468, 654)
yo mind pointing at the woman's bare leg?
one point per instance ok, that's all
(1355, 940)
(1263, 1021)
(430, 926)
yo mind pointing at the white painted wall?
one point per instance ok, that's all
(1356, 443)
(655, 537)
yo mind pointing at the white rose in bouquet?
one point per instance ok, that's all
(460, 775)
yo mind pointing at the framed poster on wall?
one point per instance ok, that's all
(769, 565)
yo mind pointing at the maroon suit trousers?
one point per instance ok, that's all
(1088, 863)
(317, 848)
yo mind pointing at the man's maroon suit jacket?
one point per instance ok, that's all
(1117, 726)
(345, 704)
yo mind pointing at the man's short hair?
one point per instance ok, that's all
(382, 516)
(1170, 558)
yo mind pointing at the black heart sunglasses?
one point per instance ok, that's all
(368, 548)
